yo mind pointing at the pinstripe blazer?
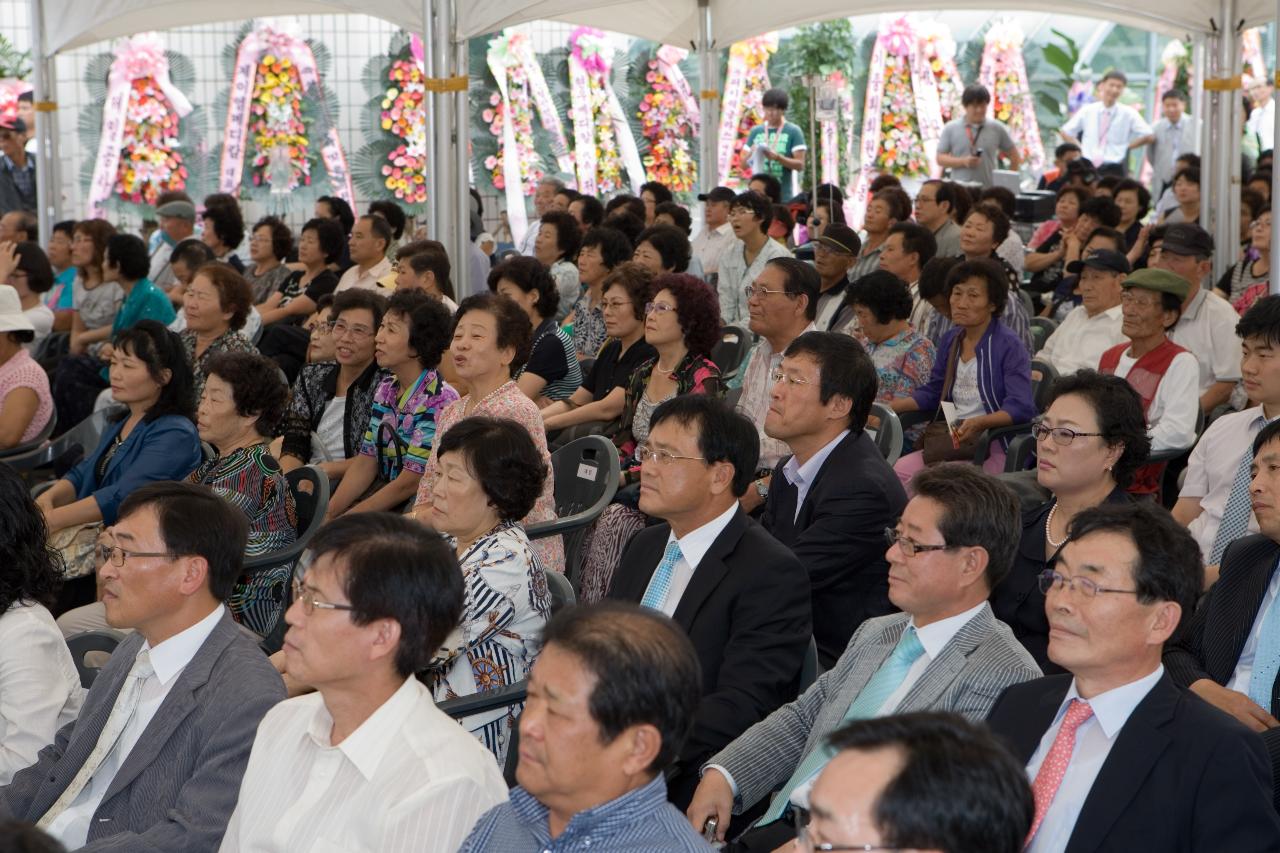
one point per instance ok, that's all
(177, 787)
(982, 659)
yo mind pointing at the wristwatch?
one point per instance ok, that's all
(762, 489)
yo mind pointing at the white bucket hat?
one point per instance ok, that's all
(11, 317)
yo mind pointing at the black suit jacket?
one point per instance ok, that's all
(1209, 642)
(747, 612)
(839, 537)
(1181, 775)
(1017, 600)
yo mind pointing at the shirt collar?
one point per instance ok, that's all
(172, 656)
(695, 544)
(725, 230)
(797, 473)
(935, 636)
(366, 746)
(1114, 707)
(1193, 310)
(628, 809)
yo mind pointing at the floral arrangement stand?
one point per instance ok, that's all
(603, 143)
(1004, 73)
(669, 118)
(392, 163)
(280, 120)
(940, 52)
(902, 120)
(143, 131)
(10, 89)
(746, 80)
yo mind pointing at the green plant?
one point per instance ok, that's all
(1052, 92)
(13, 62)
(815, 49)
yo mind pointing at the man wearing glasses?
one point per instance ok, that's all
(154, 760)
(740, 595)
(955, 541)
(367, 762)
(1120, 758)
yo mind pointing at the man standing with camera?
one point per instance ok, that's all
(970, 146)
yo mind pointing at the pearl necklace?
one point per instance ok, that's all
(1048, 523)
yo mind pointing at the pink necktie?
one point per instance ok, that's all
(1054, 767)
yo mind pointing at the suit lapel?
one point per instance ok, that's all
(940, 673)
(710, 571)
(1222, 652)
(1138, 747)
(865, 665)
(840, 457)
(1026, 738)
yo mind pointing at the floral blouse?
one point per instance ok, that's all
(250, 479)
(695, 374)
(506, 604)
(589, 333)
(229, 341)
(903, 363)
(402, 423)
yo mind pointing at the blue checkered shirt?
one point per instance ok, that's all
(641, 821)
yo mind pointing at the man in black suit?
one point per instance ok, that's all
(832, 499)
(742, 597)
(1227, 653)
(1120, 758)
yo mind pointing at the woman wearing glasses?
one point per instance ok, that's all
(682, 324)
(1089, 443)
(329, 408)
(39, 687)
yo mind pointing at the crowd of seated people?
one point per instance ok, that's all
(783, 628)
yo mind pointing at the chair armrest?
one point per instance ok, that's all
(1021, 451)
(489, 700)
(983, 448)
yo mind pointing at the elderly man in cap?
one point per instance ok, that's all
(1093, 326)
(716, 234)
(177, 222)
(834, 254)
(1208, 322)
(1165, 375)
(17, 170)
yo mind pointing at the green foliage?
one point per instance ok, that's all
(13, 62)
(1062, 57)
(817, 49)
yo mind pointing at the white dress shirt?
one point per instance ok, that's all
(1207, 327)
(1244, 666)
(709, 245)
(1262, 121)
(168, 659)
(1121, 123)
(40, 689)
(1094, 739)
(1081, 340)
(1211, 470)
(693, 547)
(802, 476)
(757, 392)
(1172, 415)
(407, 779)
(367, 279)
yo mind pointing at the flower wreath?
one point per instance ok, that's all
(603, 145)
(746, 80)
(394, 158)
(1004, 73)
(940, 52)
(669, 117)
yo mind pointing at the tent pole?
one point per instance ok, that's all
(709, 77)
(1228, 143)
(446, 205)
(1275, 176)
(52, 163)
(44, 187)
(430, 161)
(462, 157)
(1199, 104)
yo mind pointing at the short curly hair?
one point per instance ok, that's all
(512, 325)
(989, 271)
(697, 310)
(30, 571)
(883, 294)
(502, 456)
(234, 293)
(568, 232)
(329, 235)
(671, 244)
(281, 236)
(636, 280)
(257, 388)
(222, 214)
(430, 324)
(1120, 417)
(614, 246)
(529, 275)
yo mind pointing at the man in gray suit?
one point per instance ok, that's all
(945, 652)
(155, 759)
(1172, 136)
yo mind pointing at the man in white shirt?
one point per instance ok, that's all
(177, 222)
(906, 250)
(1093, 326)
(934, 208)
(1262, 120)
(1106, 130)
(717, 233)
(1120, 758)
(944, 652)
(543, 200)
(1208, 322)
(369, 240)
(1172, 136)
(367, 762)
(743, 259)
(157, 753)
(1217, 473)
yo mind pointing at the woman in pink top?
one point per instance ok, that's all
(491, 339)
(25, 401)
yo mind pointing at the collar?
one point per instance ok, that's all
(1197, 302)
(28, 166)
(891, 341)
(374, 272)
(366, 746)
(170, 657)
(1112, 313)
(630, 808)
(806, 473)
(935, 636)
(1114, 707)
(695, 544)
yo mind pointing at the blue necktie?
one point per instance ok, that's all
(656, 595)
(888, 678)
(1266, 659)
(1237, 512)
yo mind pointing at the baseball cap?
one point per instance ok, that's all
(178, 210)
(1101, 259)
(718, 194)
(12, 122)
(12, 318)
(1161, 281)
(841, 238)
(1186, 238)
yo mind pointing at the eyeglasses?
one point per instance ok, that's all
(340, 329)
(1128, 297)
(645, 453)
(657, 308)
(1062, 436)
(909, 546)
(310, 604)
(805, 842)
(115, 555)
(779, 376)
(618, 304)
(1049, 579)
(759, 291)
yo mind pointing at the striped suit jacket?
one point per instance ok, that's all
(982, 659)
(177, 787)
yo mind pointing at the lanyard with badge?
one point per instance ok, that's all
(974, 137)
